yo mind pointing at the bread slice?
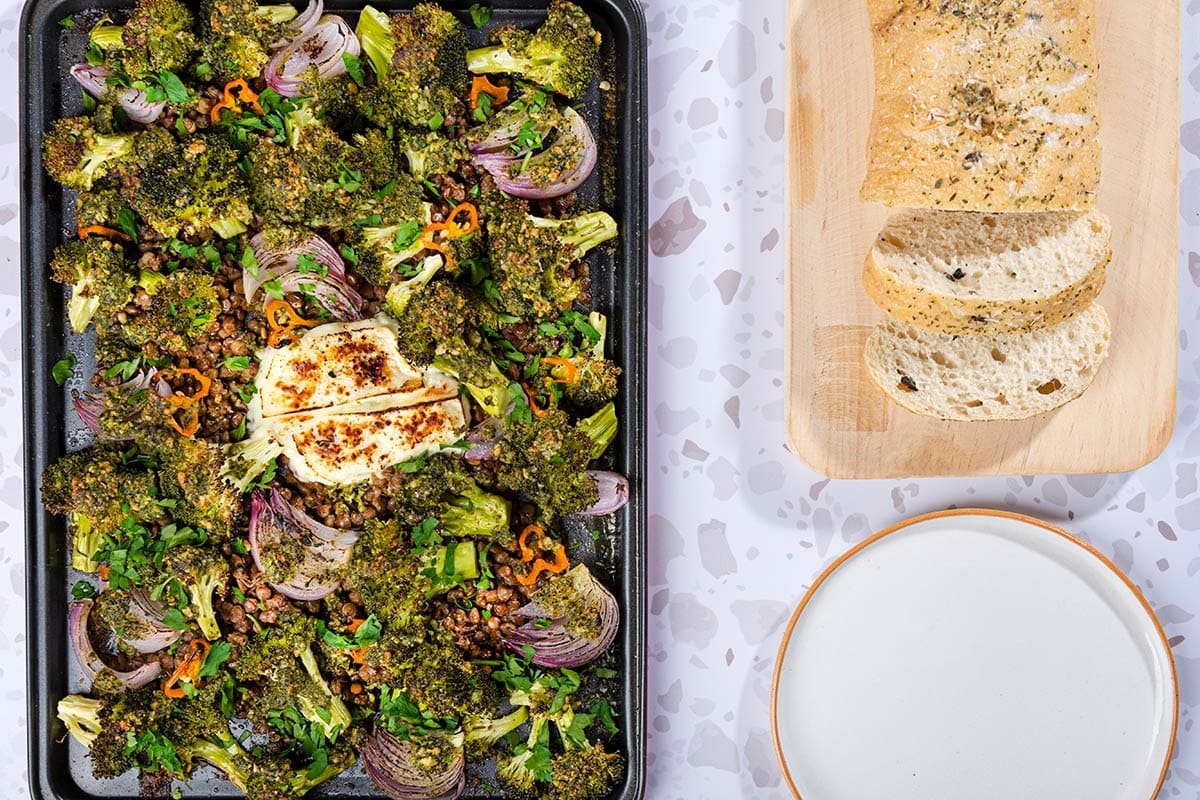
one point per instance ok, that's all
(984, 105)
(967, 273)
(1008, 376)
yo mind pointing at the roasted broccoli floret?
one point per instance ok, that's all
(77, 155)
(400, 293)
(475, 514)
(482, 733)
(385, 250)
(119, 730)
(202, 571)
(529, 764)
(263, 777)
(157, 36)
(195, 189)
(99, 490)
(387, 576)
(428, 154)
(585, 773)
(419, 60)
(546, 458)
(532, 257)
(561, 55)
(101, 207)
(589, 380)
(100, 275)
(190, 473)
(238, 35)
(183, 308)
(81, 715)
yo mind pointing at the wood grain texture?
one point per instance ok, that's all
(843, 427)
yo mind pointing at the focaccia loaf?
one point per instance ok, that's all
(984, 105)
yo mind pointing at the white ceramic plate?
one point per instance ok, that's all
(974, 655)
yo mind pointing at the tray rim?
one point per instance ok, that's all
(809, 448)
(911, 522)
(632, 122)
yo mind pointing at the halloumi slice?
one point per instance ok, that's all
(347, 445)
(341, 363)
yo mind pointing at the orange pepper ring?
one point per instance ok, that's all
(559, 564)
(568, 365)
(531, 398)
(481, 85)
(189, 668)
(294, 321)
(456, 231)
(526, 550)
(100, 230)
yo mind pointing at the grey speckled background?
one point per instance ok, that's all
(738, 526)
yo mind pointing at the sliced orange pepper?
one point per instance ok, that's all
(188, 669)
(456, 231)
(359, 656)
(355, 624)
(481, 85)
(537, 410)
(100, 230)
(559, 564)
(244, 95)
(567, 364)
(278, 331)
(188, 404)
(522, 541)
(103, 572)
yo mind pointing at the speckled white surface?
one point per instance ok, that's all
(738, 526)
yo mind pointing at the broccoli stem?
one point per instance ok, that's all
(337, 717)
(81, 715)
(277, 14)
(86, 543)
(490, 60)
(374, 32)
(228, 228)
(601, 428)
(583, 232)
(107, 37)
(81, 308)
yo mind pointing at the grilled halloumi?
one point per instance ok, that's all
(343, 405)
(342, 363)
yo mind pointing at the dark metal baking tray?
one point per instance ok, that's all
(57, 769)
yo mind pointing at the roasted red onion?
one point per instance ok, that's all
(331, 289)
(91, 663)
(322, 47)
(560, 168)
(134, 102)
(582, 615)
(90, 406)
(302, 25)
(614, 492)
(483, 438)
(155, 635)
(394, 766)
(275, 522)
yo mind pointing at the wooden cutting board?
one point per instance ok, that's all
(838, 421)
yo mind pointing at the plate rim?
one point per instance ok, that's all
(837, 563)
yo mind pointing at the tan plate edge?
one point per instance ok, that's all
(962, 512)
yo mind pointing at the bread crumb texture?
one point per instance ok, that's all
(984, 105)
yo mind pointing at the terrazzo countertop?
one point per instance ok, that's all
(738, 526)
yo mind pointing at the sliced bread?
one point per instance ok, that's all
(984, 105)
(969, 273)
(1007, 376)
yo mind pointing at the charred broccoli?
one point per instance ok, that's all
(585, 773)
(532, 256)
(546, 458)
(183, 308)
(101, 207)
(195, 189)
(419, 60)
(202, 571)
(589, 379)
(400, 293)
(157, 36)
(482, 733)
(561, 55)
(77, 155)
(429, 153)
(100, 275)
(385, 250)
(238, 35)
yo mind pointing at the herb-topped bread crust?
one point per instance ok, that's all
(984, 105)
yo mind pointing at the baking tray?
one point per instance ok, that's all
(838, 421)
(57, 768)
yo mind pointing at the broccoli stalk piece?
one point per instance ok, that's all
(86, 542)
(601, 428)
(399, 295)
(81, 715)
(202, 572)
(561, 55)
(76, 155)
(530, 763)
(328, 712)
(419, 60)
(266, 778)
(99, 274)
(482, 733)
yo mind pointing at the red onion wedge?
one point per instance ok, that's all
(153, 635)
(337, 296)
(402, 771)
(276, 527)
(90, 406)
(583, 620)
(560, 168)
(90, 661)
(134, 102)
(322, 47)
(483, 438)
(302, 25)
(614, 492)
